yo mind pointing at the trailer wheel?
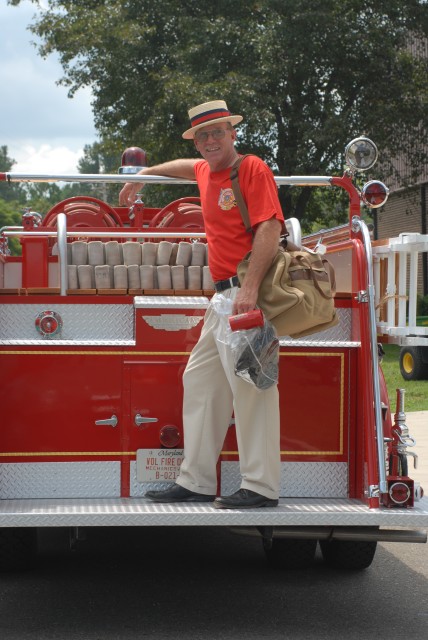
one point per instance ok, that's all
(348, 554)
(293, 553)
(18, 547)
(412, 365)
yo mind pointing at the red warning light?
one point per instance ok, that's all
(374, 194)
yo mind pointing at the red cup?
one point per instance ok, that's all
(248, 320)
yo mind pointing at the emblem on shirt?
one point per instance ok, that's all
(226, 199)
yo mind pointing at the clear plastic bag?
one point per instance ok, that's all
(256, 355)
(223, 308)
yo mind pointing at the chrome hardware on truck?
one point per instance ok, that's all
(402, 438)
(111, 422)
(140, 420)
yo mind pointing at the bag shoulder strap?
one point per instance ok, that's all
(234, 177)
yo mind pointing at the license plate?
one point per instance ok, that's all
(158, 465)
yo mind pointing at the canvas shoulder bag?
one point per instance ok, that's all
(297, 292)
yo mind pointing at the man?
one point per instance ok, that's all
(211, 389)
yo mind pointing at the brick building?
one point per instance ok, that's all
(406, 212)
(406, 208)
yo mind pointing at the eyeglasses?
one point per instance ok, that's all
(216, 134)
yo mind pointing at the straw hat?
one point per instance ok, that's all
(209, 113)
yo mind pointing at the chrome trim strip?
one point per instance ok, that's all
(319, 343)
(71, 343)
(171, 302)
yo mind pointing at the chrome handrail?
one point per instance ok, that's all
(8, 228)
(4, 248)
(360, 225)
(297, 181)
(82, 233)
(62, 252)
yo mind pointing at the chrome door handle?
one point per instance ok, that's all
(139, 420)
(112, 422)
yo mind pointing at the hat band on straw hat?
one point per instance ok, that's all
(209, 115)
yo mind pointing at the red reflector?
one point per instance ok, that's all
(399, 492)
(48, 323)
(375, 194)
(169, 436)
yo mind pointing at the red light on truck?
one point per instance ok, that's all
(169, 436)
(374, 194)
(133, 159)
(399, 493)
(48, 323)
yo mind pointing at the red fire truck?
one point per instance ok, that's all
(97, 320)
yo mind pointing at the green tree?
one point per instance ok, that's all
(11, 199)
(10, 191)
(307, 76)
(100, 157)
(10, 216)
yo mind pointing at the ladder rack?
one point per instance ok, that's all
(396, 264)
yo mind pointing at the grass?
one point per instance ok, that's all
(416, 397)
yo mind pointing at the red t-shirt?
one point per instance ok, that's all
(228, 242)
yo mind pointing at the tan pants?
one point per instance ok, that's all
(211, 392)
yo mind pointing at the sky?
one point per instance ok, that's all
(43, 129)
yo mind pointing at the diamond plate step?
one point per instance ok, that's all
(141, 512)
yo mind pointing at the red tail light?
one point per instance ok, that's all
(399, 493)
(169, 436)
